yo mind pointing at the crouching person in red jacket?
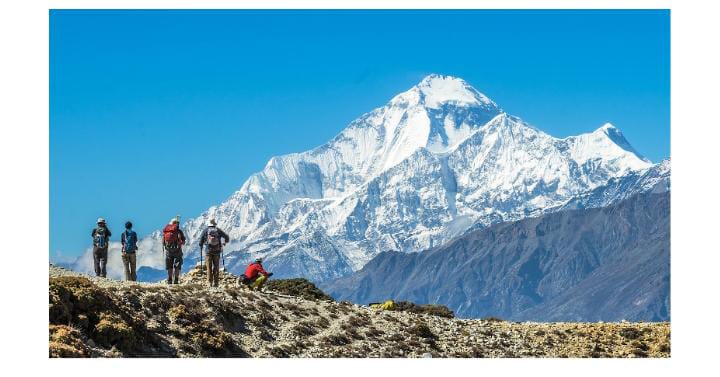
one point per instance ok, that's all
(255, 275)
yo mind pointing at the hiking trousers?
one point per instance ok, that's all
(129, 260)
(173, 260)
(258, 282)
(173, 264)
(100, 260)
(213, 268)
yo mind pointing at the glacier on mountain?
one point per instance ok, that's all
(435, 161)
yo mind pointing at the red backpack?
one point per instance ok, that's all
(171, 235)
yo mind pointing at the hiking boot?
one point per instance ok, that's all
(169, 281)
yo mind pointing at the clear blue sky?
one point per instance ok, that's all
(154, 113)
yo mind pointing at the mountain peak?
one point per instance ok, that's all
(437, 90)
(609, 143)
(434, 78)
(615, 135)
(607, 127)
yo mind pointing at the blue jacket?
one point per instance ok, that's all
(131, 233)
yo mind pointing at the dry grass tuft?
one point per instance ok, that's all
(66, 341)
(111, 331)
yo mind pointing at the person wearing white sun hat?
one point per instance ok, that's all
(101, 239)
(213, 238)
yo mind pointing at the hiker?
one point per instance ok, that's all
(129, 247)
(213, 237)
(173, 240)
(255, 275)
(101, 239)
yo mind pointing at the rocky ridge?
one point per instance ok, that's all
(97, 317)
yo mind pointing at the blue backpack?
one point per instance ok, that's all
(130, 241)
(100, 237)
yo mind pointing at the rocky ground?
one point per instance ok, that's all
(96, 317)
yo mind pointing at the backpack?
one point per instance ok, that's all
(171, 236)
(100, 239)
(130, 241)
(213, 238)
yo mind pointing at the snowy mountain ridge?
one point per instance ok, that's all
(433, 162)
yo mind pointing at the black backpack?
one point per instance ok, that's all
(213, 239)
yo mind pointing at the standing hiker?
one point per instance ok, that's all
(129, 247)
(101, 239)
(213, 237)
(255, 275)
(173, 239)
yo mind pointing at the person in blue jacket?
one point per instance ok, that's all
(129, 249)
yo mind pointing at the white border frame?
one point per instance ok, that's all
(25, 199)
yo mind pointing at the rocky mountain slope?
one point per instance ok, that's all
(413, 174)
(653, 180)
(606, 264)
(95, 317)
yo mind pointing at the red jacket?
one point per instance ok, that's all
(253, 269)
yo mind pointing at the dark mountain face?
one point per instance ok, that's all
(601, 264)
(145, 273)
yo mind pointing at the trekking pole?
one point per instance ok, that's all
(201, 265)
(222, 255)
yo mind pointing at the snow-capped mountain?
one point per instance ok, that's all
(435, 161)
(655, 179)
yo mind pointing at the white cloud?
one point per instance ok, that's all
(149, 254)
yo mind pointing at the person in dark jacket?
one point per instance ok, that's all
(101, 240)
(173, 240)
(255, 275)
(213, 238)
(129, 247)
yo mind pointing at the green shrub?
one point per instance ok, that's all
(422, 330)
(630, 333)
(432, 309)
(336, 340)
(298, 288)
(322, 322)
(304, 329)
(278, 352)
(351, 331)
(493, 319)
(358, 321)
(373, 332)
